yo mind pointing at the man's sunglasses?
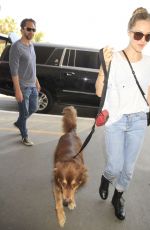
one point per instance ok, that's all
(30, 29)
(139, 35)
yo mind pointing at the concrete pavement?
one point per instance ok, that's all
(26, 198)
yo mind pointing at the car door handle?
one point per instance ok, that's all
(69, 74)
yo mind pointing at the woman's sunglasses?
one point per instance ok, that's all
(139, 35)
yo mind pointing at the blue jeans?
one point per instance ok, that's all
(124, 140)
(28, 106)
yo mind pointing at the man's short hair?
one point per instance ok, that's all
(24, 21)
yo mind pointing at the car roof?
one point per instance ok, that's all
(4, 37)
(11, 37)
(47, 44)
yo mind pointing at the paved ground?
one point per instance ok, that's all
(9, 103)
(26, 198)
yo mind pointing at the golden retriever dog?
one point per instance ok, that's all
(69, 173)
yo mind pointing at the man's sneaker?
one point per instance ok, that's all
(27, 142)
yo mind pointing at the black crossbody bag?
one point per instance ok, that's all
(141, 90)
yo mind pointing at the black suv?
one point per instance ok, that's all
(66, 74)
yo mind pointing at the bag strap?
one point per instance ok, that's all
(106, 75)
(141, 90)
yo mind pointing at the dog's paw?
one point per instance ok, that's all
(61, 219)
(72, 205)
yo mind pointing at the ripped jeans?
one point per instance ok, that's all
(28, 106)
(124, 140)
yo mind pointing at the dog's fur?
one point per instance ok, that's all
(69, 172)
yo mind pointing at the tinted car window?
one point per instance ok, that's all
(43, 53)
(80, 58)
(72, 58)
(69, 59)
(66, 58)
(87, 59)
(54, 57)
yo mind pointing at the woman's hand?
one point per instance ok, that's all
(108, 53)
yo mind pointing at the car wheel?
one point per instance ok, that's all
(45, 101)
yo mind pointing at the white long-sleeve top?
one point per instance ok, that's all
(123, 95)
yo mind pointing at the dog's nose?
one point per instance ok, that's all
(65, 202)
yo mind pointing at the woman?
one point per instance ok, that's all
(126, 126)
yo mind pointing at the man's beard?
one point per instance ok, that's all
(28, 37)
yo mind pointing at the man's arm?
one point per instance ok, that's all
(18, 93)
(14, 57)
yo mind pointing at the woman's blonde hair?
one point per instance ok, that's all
(138, 14)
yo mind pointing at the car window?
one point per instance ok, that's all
(43, 53)
(55, 57)
(80, 58)
(87, 59)
(69, 59)
(66, 58)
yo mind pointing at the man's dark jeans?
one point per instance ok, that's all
(28, 106)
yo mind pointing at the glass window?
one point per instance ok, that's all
(42, 53)
(87, 59)
(66, 58)
(55, 57)
(69, 59)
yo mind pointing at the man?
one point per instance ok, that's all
(22, 61)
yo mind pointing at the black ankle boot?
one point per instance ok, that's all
(103, 189)
(118, 203)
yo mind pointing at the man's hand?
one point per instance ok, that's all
(18, 95)
(38, 85)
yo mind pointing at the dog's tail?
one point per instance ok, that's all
(69, 119)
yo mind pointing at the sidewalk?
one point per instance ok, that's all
(26, 198)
